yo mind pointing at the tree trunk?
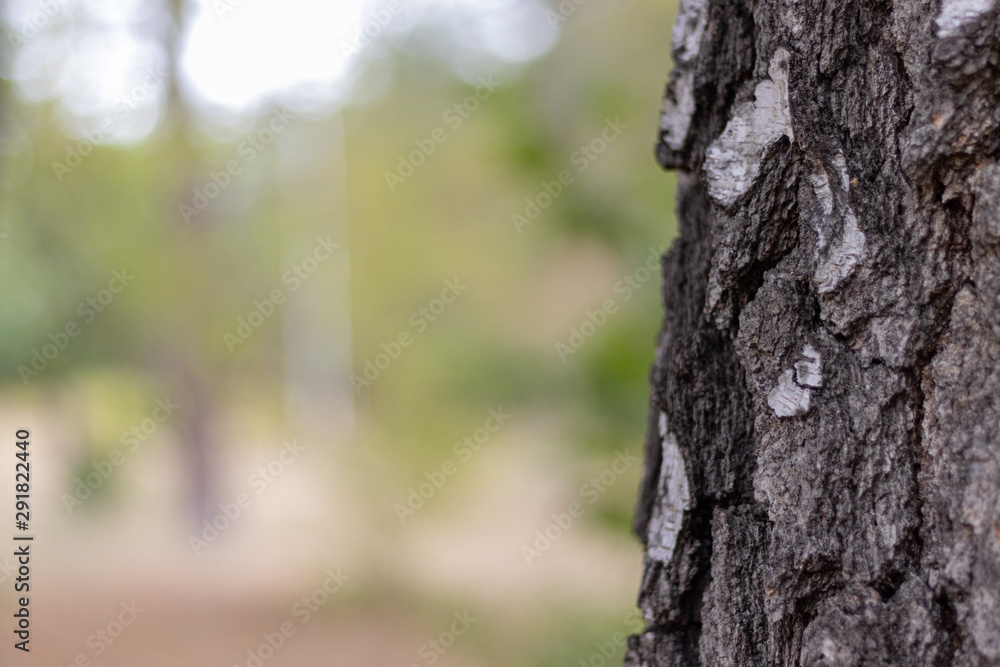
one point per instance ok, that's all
(822, 482)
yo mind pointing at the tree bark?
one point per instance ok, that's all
(822, 480)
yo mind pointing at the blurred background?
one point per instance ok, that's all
(330, 321)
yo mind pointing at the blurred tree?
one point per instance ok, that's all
(822, 481)
(187, 367)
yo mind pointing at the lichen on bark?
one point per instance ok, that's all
(827, 375)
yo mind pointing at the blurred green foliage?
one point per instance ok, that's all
(495, 345)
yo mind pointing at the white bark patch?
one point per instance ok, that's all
(821, 188)
(809, 369)
(792, 396)
(678, 110)
(957, 13)
(843, 256)
(788, 399)
(679, 104)
(835, 263)
(689, 28)
(732, 162)
(675, 499)
(840, 164)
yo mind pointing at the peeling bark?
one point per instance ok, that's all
(822, 475)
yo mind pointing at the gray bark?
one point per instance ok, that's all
(822, 481)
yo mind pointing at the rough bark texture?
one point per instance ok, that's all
(822, 478)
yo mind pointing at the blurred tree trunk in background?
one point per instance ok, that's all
(822, 480)
(187, 368)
